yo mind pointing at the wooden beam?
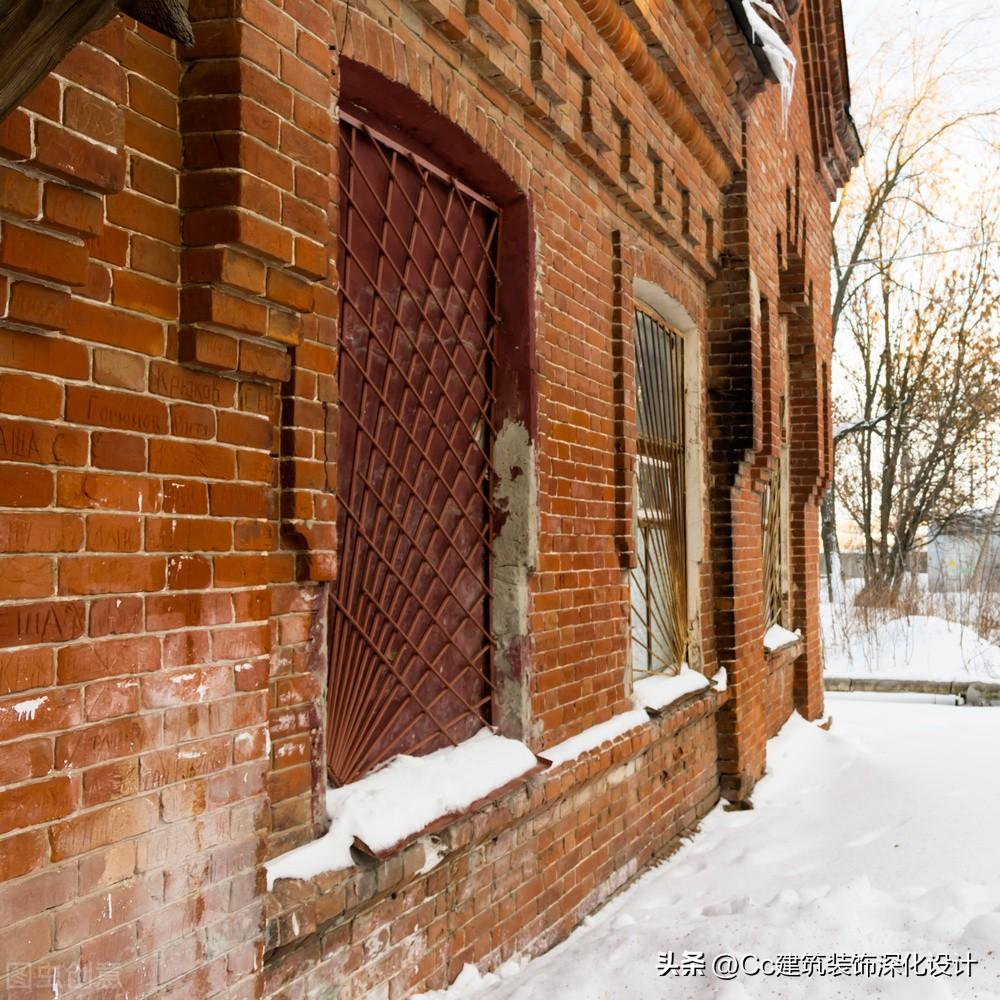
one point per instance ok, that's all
(35, 36)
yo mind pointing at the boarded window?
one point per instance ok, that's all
(410, 642)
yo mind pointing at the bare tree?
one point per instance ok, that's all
(886, 217)
(923, 372)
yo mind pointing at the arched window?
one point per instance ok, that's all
(410, 637)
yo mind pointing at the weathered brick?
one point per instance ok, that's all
(29, 251)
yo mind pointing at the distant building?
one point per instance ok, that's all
(971, 542)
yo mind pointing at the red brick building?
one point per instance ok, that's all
(371, 372)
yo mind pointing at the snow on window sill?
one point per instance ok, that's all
(657, 692)
(299, 905)
(776, 638)
(405, 799)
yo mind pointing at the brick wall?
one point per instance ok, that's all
(167, 495)
(512, 879)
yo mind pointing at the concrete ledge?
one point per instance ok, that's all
(974, 693)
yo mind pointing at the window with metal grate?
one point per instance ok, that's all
(410, 646)
(659, 579)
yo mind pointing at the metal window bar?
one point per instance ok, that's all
(410, 648)
(772, 529)
(659, 605)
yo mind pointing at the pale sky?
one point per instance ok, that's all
(976, 51)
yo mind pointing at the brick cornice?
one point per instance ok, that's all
(630, 48)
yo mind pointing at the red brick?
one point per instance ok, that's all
(187, 572)
(241, 643)
(30, 714)
(18, 193)
(239, 500)
(77, 159)
(152, 101)
(26, 486)
(117, 368)
(39, 305)
(154, 179)
(25, 759)
(156, 258)
(155, 141)
(185, 610)
(126, 452)
(185, 647)
(189, 421)
(206, 304)
(203, 461)
(270, 363)
(224, 265)
(45, 444)
(34, 803)
(22, 853)
(25, 577)
(180, 383)
(102, 827)
(97, 490)
(121, 904)
(45, 355)
(107, 741)
(187, 534)
(242, 570)
(30, 397)
(106, 867)
(208, 349)
(246, 430)
(251, 535)
(186, 686)
(51, 621)
(162, 222)
(98, 284)
(40, 532)
(94, 116)
(117, 410)
(111, 574)
(44, 98)
(110, 246)
(15, 136)
(72, 211)
(184, 496)
(110, 658)
(32, 252)
(24, 669)
(113, 533)
(106, 699)
(144, 295)
(117, 328)
(115, 616)
(94, 69)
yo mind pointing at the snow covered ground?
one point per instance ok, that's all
(934, 646)
(879, 837)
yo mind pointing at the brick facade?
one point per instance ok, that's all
(168, 421)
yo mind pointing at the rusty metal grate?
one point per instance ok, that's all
(410, 650)
(773, 549)
(659, 579)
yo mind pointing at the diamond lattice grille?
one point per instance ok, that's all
(410, 615)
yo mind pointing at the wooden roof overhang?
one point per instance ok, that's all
(34, 36)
